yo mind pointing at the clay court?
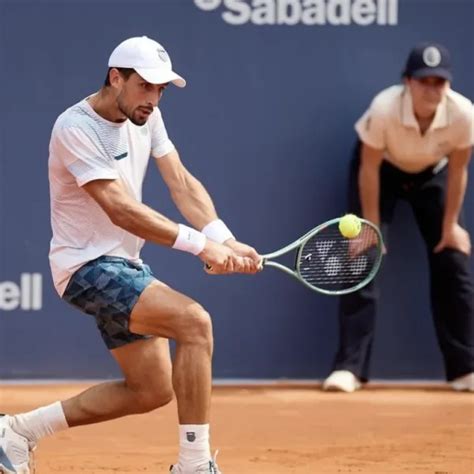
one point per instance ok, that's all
(275, 430)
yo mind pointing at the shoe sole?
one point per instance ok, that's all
(336, 388)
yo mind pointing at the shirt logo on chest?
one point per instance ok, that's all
(122, 156)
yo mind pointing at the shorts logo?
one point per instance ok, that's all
(191, 436)
(431, 56)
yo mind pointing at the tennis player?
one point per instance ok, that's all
(99, 152)
(416, 146)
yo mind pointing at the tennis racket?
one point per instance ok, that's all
(328, 262)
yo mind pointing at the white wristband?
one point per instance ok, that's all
(217, 231)
(189, 240)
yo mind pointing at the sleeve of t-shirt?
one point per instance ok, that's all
(465, 131)
(161, 145)
(463, 127)
(371, 127)
(82, 158)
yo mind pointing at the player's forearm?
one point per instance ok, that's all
(144, 222)
(129, 214)
(194, 203)
(369, 191)
(456, 189)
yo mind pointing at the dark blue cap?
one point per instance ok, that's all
(429, 59)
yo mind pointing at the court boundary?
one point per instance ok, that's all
(249, 383)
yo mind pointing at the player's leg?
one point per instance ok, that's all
(357, 310)
(165, 312)
(107, 288)
(451, 283)
(157, 310)
(146, 367)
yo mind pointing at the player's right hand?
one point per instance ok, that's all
(454, 237)
(220, 259)
(365, 240)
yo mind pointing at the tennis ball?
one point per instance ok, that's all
(350, 226)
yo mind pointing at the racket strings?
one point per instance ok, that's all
(330, 261)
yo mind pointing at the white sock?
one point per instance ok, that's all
(39, 423)
(194, 449)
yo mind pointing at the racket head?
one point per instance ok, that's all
(329, 263)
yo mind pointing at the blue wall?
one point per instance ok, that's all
(266, 123)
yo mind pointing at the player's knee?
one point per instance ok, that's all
(148, 399)
(198, 328)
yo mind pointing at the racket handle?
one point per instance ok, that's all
(208, 268)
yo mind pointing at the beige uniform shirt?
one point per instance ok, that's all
(390, 125)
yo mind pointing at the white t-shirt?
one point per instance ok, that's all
(390, 125)
(85, 147)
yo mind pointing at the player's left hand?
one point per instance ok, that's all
(251, 257)
(454, 237)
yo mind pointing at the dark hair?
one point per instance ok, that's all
(124, 71)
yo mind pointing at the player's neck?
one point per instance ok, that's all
(104, 104)
(424, 119)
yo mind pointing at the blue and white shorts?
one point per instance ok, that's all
(108, 288)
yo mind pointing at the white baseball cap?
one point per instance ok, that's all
(149, 59)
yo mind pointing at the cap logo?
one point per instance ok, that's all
(191, 436)
(163, 55)
(431, 56)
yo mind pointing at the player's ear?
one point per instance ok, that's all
(115, 78)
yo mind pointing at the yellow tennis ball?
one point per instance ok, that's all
(350, 226)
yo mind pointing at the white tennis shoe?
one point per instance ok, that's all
(209, 467)
(464, 383)
(342, 381)
(16, 455)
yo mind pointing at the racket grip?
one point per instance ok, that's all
(208, 268)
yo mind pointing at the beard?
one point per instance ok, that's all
(136, 116)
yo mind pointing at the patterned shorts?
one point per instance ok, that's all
(108, 288)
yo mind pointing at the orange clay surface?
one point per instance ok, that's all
(274, 430)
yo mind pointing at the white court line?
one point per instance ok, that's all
(234, 382)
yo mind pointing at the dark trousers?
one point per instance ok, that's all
(451, 286)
